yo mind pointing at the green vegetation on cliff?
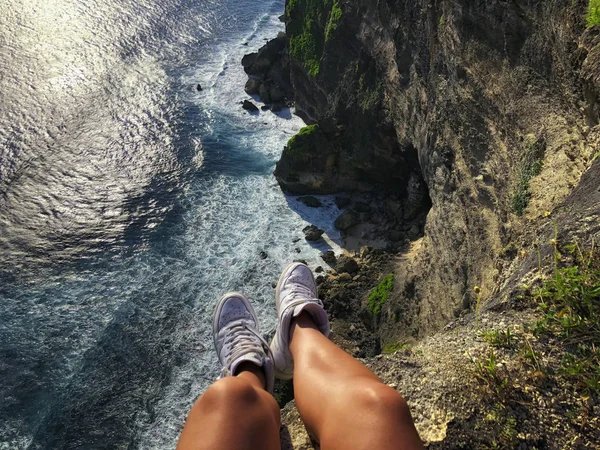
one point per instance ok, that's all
(393, 347)
(300, 143)
(370, 90)
(570, 302)
(380, 295)
(310, 23)
(334, 18)
(532, 165)
(593, 15)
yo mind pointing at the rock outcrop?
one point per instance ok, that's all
(480, 125)
(269, 72)
(480, 117)
(312, 233)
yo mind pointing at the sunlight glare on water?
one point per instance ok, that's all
(129, 203)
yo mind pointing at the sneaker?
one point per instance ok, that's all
(237, 338)
(296, 292)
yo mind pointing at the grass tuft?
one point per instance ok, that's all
(500, 338)
(593, 15)
(570, 303)
(487, 370)
(380, 295)
(393, 347)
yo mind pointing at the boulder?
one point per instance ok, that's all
(263, 91)
(396, 236)
(329, 257)
(263, 255)
(393, 207)
(252, 86)
(276, 94)
(342, 202)
(260, 63)
(362, 207)
(249, 106)
(260, 67)
(248, 60)
(310, 201)
(312, 233)
(345, 277)
(365, 251)
(414, 232)
(199, 87)
(346, 264)
(328, 125)
(346, 220)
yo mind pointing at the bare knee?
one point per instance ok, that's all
(382, 401)
(237, 394)
(230, 391)
(232, 403)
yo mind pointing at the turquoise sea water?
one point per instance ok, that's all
(129, 202)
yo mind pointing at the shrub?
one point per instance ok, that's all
(593, 15)
(304, 48)
(304, 19)
(380, 295)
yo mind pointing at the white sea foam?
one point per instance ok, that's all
(234, 218)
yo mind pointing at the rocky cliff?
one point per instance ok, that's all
(481, 118)
(484, 114)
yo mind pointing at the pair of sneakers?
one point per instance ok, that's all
(236, 333)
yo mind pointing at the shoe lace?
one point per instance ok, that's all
(300, 293)
(240, 338)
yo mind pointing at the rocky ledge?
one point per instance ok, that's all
(269, 74)
(478, 127)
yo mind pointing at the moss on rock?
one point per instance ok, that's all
(310, 23)
(380, 295)
(593, 15)
(302, 142)
(334, 18)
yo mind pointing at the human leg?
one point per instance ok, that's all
(342, 403)
(237, 412)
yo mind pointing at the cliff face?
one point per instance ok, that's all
(484, 112)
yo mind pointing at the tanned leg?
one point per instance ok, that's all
(342, 403)
(235, 413)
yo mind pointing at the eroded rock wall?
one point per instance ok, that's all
(455, 94)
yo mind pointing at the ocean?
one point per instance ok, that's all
(129, 203)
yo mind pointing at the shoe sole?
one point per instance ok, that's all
(219, 307)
